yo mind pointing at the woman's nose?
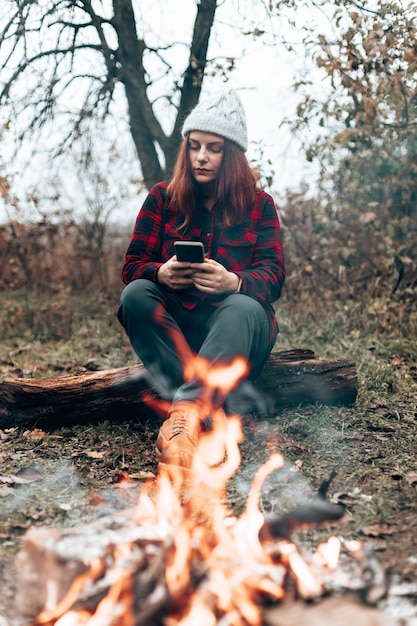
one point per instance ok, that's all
(202, 155)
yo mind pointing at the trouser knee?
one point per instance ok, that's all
(138, 301)
(242, 309)
(244, 322)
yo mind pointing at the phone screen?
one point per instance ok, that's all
(189, 251)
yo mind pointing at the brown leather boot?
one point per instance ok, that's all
(212, 445)
(178, 437)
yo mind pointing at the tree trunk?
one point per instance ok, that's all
(289, 377)
(193, 76)
(145, 128)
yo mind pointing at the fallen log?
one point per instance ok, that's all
(289, 377)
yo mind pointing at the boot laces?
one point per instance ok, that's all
(183, 425)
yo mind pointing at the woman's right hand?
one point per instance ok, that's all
(175, 274)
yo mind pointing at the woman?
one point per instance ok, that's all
(218, 309)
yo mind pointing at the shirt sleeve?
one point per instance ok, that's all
(144, 254)
(264, 280)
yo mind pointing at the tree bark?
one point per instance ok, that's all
(80, 29)
(289, 377)
(144, 127)
(146, 130)
(193, 75)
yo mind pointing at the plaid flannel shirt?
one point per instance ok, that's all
(252, 249)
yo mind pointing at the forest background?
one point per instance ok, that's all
(92, 98)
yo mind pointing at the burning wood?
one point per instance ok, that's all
(181, 557)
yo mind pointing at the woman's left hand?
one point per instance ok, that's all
(212, 277)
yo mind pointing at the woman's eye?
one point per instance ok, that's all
(213, 149)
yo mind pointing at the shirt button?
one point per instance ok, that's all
(208, 235)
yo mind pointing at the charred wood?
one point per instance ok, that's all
(76, 568)
(315, 513)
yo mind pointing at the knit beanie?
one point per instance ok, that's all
(221, 114)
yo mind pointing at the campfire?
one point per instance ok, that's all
(181, 557)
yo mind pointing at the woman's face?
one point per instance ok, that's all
(206, 155)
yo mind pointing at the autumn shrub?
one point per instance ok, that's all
(338, 261)
(54, 257)
(46, 319)
(341, 255)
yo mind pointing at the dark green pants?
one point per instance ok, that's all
(166, 337)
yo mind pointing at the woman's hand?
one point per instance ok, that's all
(176, 274)
(212, 277)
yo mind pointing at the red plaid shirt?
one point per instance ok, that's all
(252, 250)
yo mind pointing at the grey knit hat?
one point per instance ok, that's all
(221, 114)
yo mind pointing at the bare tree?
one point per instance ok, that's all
(64, 51)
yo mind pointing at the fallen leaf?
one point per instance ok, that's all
(297, 465)
(341, 435)
(381, 437)
(36, 433)
(411, 479)
(344, 498)
(398, 359)
(95, 454)
(380, 428)
(350, 498)
(378, 530)
(96, 499)
(7, 433)
(367, 217)
(141, 475)
(26, 475)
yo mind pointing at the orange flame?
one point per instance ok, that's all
(328, 553)
(307, 584)
(187, 510)
(95, 570)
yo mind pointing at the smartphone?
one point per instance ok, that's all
(189, 251)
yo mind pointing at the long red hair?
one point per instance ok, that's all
(235, 186)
